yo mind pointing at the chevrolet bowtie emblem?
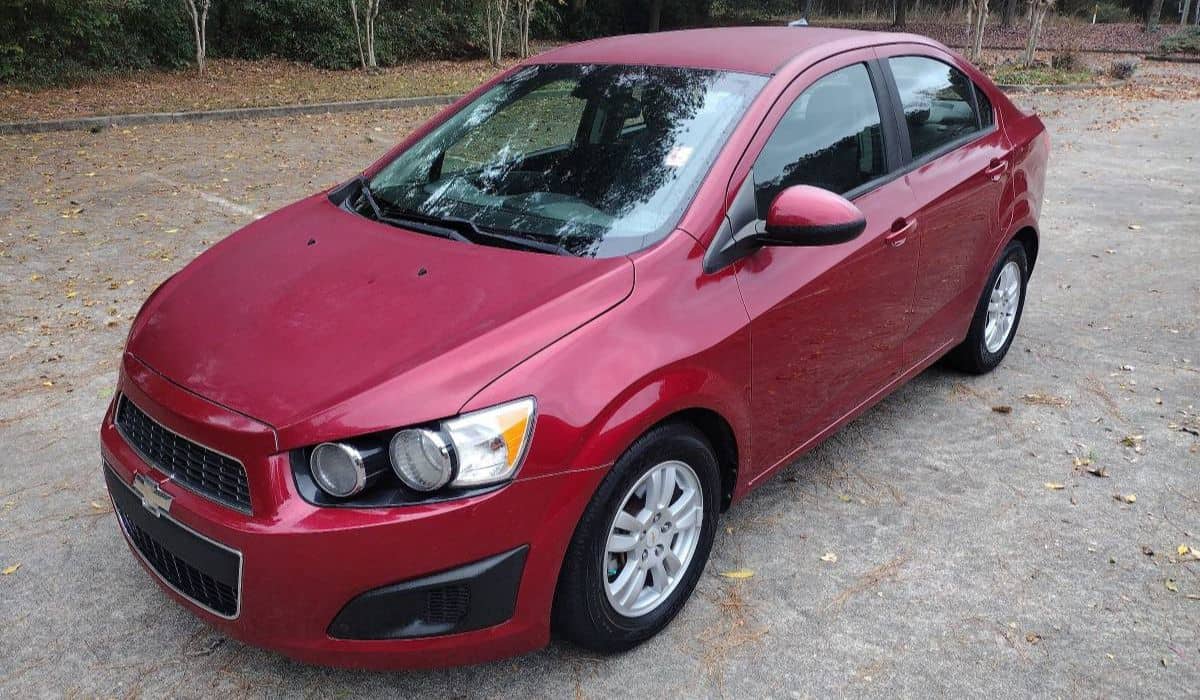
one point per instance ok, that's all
(154, 499)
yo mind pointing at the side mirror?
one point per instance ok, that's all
(809, 216)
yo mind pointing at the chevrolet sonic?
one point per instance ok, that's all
(504, 382)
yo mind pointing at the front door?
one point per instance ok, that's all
(828, 323)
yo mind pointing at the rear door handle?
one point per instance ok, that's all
(900, 230)
(996, 169)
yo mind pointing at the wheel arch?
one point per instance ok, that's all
(720, 435)
(1027, 236)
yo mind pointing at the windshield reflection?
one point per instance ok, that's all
(600, 160)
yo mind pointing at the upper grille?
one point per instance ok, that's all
(196, 467)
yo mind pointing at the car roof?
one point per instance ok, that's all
(761, 50)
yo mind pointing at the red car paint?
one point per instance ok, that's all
(314, 324)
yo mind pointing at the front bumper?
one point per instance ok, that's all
(301, 565)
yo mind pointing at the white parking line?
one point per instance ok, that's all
(207, 196)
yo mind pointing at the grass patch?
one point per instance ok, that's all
(1041, 75)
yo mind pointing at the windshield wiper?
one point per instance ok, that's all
(406, 221)
(470, 231)
(455, 228)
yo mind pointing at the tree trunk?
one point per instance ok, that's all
(199, 30)
(1185, 12)
(656, 15)
(362, 57)
(372, 14)
(524, 14)
(976, 21)
(1152, 19)
(899, 8)
(495, 14)
(1037, 13)
(806, 9)
(1010, 13)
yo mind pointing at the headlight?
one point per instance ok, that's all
(469, 451)
(422, 459)
(490, 443)
(338, 469)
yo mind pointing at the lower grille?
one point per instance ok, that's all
(447, 605)
(192, 465)
(207, 573)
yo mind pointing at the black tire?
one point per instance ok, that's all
(972, 355)
(582, 612)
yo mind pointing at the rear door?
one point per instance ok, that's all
(957, 162)
(828, 323)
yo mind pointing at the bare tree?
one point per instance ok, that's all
(1037, 14)
(899, 12)
(495, 18)
(199, 29)
(977, 11)
(362, 57)
(1185, 12)
(524, 13)
(367, 31)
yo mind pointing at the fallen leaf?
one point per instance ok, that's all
(1033, 637)
(10, 570)
(1002, 409)
(1147, 550)
(97, 505)
(1098, 471)
(843, 498)
(738, 574)
(1082, 461)
(1134, 441)
(1134, 227)
(1171, 585)
(829, 557)
(1183, 550)
(1054, 486)
(1041, 399)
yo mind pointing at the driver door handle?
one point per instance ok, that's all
(900, 230)
(996, 169)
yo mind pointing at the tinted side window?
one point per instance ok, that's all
(937, 102)
(830, 137)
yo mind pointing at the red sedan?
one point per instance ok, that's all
(506, 381)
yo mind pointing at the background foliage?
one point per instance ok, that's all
(48, 41)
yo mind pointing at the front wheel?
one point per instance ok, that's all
(642, 542)
(996, 315)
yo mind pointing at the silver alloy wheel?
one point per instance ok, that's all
(652, 538)
(1002, 307)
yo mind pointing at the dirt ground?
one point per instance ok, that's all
(1039, 550)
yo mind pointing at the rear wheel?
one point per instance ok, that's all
(642, 542)
(996, 315)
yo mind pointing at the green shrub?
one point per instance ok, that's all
(48, 41)
(1185, 41)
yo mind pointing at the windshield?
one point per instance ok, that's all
(596, 160)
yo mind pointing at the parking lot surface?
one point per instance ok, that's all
(1025, 533)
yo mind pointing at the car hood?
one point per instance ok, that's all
(322, 323)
